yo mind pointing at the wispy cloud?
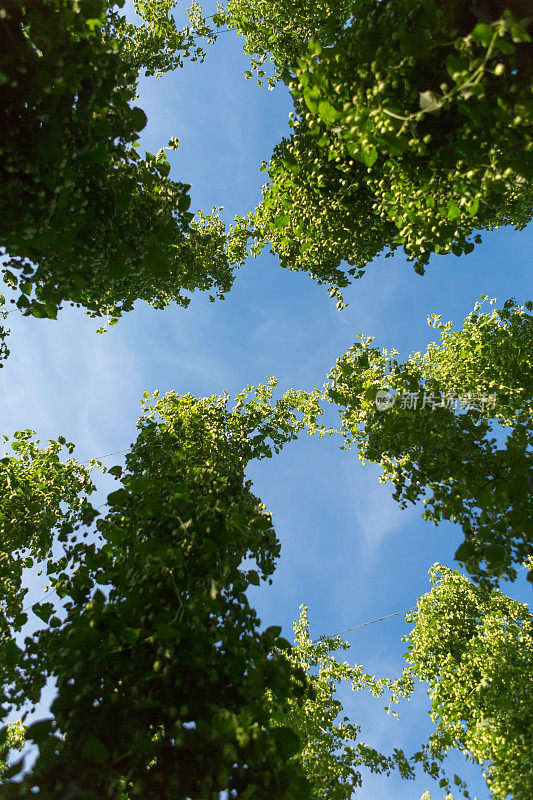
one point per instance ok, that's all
(377, 514)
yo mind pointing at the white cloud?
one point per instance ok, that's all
(377, 514)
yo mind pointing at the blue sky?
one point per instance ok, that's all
(348, 552)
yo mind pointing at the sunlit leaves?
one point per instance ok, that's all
(332, 754)
(86, 219)
(474, 649)
(412, 129)
(440, 442)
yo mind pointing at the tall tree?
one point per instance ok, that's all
(453, 427)
(84, 218)
(159, 664)
(474, 649)
(412, 127)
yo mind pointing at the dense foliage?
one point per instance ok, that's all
(42, 498)
(474, 648)
(160, 668)
(275, 33)
(412, 127)
(432, 423)
(84, 218)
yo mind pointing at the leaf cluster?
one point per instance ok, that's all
(4, 332)
(412, 128)
(332, 755)
(160, 666)
(85, 219)
(454, 461)
(474, 648)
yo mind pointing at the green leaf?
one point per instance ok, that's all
(273, 631)
(483, 33)
(130, 635)
(281, 221)
(369, 157)
(287, 742)
(39, 731)
(93, 23)
(10, 653)
(253, 577)
(138, 118)
(312, 96)
(464, 552)
(38, 311)
(23, 302)
(428, 101)
(43, 611)
(184, 202)
(473, 207)
(117, 498)
(453, 210)
(327, 112)
(395, 145)
(51, 311)
(163, 167)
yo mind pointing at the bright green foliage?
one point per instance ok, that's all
(276, 33)
(475, 650)
(13, 738)
(84, 218)
(412, 128)
(331, 755)
(41, 499)
(157, 42)
(429, 450)
(161, 673)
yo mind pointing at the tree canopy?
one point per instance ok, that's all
(453, 427)
(415, 140)
(332, 755)
(474, 648)
(160, 667)
(85, 219)
(411, 128)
